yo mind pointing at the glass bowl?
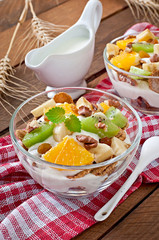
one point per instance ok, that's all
(54, 177)
(141, 97)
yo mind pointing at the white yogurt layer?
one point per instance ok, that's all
(142, 90)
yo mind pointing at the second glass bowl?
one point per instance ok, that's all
(141, 96)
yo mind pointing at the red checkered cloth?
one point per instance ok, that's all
(27, 211)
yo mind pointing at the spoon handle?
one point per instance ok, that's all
(106, 210)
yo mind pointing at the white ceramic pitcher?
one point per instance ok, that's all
(66, 59)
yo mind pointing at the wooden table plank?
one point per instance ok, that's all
(119, 217)
(142, 223)
(105, 34)
(11, 9)
(66, 13)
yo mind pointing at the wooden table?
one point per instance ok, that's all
(138, 217)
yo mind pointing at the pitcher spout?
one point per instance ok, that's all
(31, 60)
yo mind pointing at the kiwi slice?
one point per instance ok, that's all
(90, 124)
(146, 47)
(38, 135)
(139, 71)
(116, 117)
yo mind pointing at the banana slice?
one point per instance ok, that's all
(145, 36)
(156, 48)
(39, 111)
(118, 146)
(112, 50)
(151, 67)
(102, 152)
(82, 101)
(60, 131)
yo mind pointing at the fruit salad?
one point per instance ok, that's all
(138, 55)
(78, 133)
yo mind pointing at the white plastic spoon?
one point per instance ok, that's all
(149, 152)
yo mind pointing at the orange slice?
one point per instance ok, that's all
(122, 43)
(125, 60)
(69, 152)
(104, 106)
(68, 108)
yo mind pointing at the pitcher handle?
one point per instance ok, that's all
(91, 15)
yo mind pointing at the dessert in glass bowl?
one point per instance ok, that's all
(75, 147)
(132, 63)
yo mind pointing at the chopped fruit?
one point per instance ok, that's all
(143, 54)
(39, 111)
(82, 101)
(122, 43)
(125, 60)
(156, 48)
(38, 135)
(68, 108)
(63, 97)
(84, 111)
(91, 124)
(145, 36)
(118, 146)
(116, 117)
(102, 152)
(139, 71)
(69, 152)
(60, 131)
(151, 67)
(112, 50)
(104, 106)
(146, 47)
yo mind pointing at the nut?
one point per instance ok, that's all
(62, 97)
(32, 125)
(43, 148)
(101, 125)
(114, 103)
(153, 41)
(129, 36)
(154, 82)
(124, 78)
(154, 58)
(84, 111)
(105, 140)
(88, 141)
(20, 134)
(128, 47)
